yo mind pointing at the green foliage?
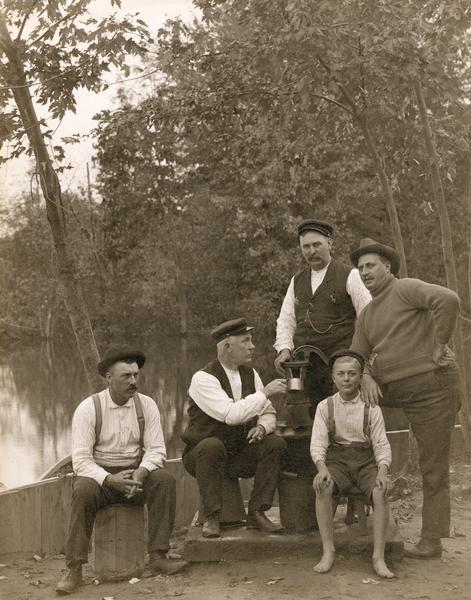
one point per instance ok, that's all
(253, 125)
(62, 48)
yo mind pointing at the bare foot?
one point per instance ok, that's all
(381, 569)
(326, 562)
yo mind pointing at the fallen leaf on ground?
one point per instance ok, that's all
(274, 580)
(108, 598)
(133, 580)
(3, 577)
(458, 533)
(370, 580)
(1, 566)
(96, 582)
(37, 557)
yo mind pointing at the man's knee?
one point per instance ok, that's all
(162, 478)
(210, 448)
(274, 443)
(85, 491)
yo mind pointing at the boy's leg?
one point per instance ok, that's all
(325, 520)
(380, 525)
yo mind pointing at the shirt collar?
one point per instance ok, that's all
(353, 401)
(111, 404)
(321, 271)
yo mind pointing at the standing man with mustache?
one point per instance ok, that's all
(230, 429)
(404, 333)
(319, 308)
(118, 454)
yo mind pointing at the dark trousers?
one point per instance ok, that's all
(88, 497)
(318, 384)
(209, 462)
(429, 401)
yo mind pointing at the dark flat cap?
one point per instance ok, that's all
(228, 328)
(117, 353)
(312, 225)
(345, 352)
(370, 246)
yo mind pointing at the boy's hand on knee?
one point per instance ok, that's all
(382, 480)
(322, 480)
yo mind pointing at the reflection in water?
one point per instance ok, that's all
(41, 387)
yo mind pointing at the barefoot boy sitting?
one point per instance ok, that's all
(349, 447)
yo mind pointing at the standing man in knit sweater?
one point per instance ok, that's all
(404, 332)
(319, 309)
(231, 428)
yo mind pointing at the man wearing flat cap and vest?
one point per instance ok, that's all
(404, 332)
(118, 452)
(230, 429)
(319, 308)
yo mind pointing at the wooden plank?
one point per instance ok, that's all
(187, 492)
(52, 519)
(32, 518)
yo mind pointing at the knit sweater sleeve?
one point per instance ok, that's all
(360, 342)
(441, 301)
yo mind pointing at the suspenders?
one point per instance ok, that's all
(331, 423)
(140, 419)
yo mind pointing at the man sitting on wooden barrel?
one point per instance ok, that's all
(230, 432)
(118, 452)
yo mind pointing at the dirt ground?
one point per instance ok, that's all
(290, 578)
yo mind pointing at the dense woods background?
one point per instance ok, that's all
(258, 115)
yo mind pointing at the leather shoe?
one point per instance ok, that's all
(258, 520)
(160, 563)
(425, 548)
(71, 581)
(211, 528)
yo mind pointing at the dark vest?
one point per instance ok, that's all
(202, 426)
(326, 319)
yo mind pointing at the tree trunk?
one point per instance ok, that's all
(447, 244)
(67, 277)
(387, 193)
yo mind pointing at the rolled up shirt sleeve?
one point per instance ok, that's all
(83, 441)
(357, 291)
(154, 445)
(320, 434)
(286, 322)
(268, 416)
(207, 393)
(379, 439)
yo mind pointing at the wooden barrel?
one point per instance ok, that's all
(118, 542)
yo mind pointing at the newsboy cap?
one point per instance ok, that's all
(312, 225)
(345, 352)
(117, 353)
(228, 328)
(370, 246)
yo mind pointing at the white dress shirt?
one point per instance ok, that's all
(206, 391)
(118, 445)
(286, 322)
(348, 417)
